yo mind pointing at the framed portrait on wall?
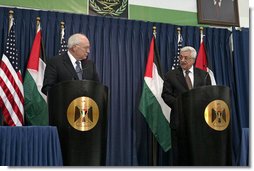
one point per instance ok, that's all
(218, 12)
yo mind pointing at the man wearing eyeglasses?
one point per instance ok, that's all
(178, 81)
(72, 65)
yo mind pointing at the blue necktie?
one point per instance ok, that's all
(78, 70)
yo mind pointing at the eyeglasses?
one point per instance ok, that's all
(185, 58)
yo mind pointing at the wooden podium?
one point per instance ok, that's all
(204, 132)
(79, 110)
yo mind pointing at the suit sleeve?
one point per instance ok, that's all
(167, 92)
(50, 77)
(95, 74)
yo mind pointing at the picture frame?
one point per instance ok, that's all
(218, 12)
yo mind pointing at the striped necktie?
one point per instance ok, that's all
(78, 70)
(188, 80)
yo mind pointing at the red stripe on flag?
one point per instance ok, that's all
(15, 110)
(10, 97)
(6, 114)
(201, 61)
(20, 77)
(12, 80)
(33, 62)
(150, 60)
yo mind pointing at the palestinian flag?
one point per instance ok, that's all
(36, 110)
(152, 106)
(201, 62)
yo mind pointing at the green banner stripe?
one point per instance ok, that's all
(136, 12)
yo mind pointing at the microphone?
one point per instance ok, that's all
(81, 72)
(205, 79)
(207, 73)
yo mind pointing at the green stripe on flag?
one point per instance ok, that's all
(36, 109)
(151, 110)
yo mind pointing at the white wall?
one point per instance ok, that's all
(181, 5)
(191, 6)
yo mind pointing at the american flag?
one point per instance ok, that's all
(11, 87)
(176, 57)
(63, 43)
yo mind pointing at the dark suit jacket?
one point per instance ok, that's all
(60, 68)
(175, 84)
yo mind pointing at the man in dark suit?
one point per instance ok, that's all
(179, 81)
(72, 65)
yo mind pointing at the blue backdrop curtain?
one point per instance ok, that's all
(241, 91)
(119, 48)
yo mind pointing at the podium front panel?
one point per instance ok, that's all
(80, 148)
(200, 144)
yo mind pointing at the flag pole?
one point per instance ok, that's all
(63, 44)
(179, 46)
(154, 141)
(154, 31)
(201, 34)
(201, 29)
(38, 19)
(178, 30)
(10, 18)
(62, 25)
(178, 34)
(178, 40)
(3, 120)
(62, 29)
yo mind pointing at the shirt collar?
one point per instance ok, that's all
(73, 60)
(191, 70)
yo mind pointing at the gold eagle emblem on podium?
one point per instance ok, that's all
(217, 115)
(83, 113)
